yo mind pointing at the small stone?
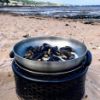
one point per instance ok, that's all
(98, 59)
(46, 46)
(26, 36)
(9, 74)
(66, 24)
(94, 48)
(86, 96)
(36, 30)
(91, 43)
(74, 26)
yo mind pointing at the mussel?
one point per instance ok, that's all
(54, 58)
(67, 48)
(46, 52)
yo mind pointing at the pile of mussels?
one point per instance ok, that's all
(46, 52)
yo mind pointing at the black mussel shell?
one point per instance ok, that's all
(38, 56)
(29, 48)
(36, 49)
(45, 47)
(66, 53)
(48, 52)
(29, 55)
(54, 50)
(72, 56)
(33, 49)
(67, 48)
(54, 58)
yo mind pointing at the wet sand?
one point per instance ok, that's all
(12, 30)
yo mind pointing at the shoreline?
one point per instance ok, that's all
(69, 12)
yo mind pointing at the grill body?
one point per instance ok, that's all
(44, 87)
(65, 86)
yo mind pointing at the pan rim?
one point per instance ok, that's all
(48, 37)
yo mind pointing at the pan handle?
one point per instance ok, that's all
(88, 58)
(11, 54)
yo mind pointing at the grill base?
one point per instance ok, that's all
(34, 87)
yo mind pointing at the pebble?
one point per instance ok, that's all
(26, 36)
(94, 48)
(9, 74)
(66, 24)
(86, 96)
(98, 59)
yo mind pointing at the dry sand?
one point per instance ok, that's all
(12, 30)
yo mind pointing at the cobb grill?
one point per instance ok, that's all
(67, 84)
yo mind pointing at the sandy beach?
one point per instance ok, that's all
(15, 28)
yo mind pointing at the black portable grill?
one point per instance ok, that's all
(44, 80)
(68, 85)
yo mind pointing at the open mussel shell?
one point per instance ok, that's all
(38, 56)
(29, 54)
(72, 57)
(45, 47)
(54, 50)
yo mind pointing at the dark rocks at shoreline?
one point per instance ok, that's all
(75, 12)
(89, 22)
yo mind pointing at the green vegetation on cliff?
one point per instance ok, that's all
(32, 2)
(4, 1)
